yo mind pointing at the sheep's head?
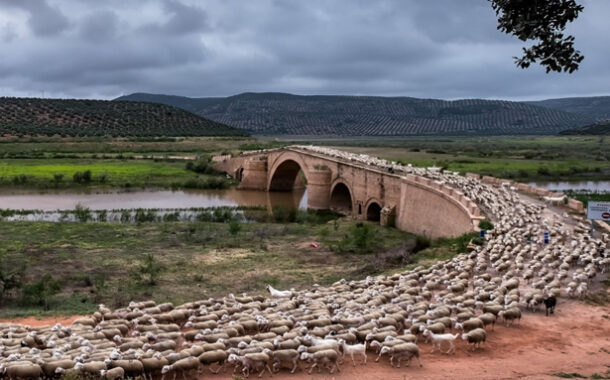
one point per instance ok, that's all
(166, 369)
(232, 358)
(385, 350)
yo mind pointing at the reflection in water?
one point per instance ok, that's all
(158, 199)
(599, 186)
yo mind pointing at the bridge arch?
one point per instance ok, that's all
(373, 210)
(341, 198)
(287, 172)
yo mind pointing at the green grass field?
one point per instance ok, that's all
(59, 173)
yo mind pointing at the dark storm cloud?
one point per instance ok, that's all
(437, 48)
(44, 20)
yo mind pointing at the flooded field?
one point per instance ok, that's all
(150, 199)
(592, 186)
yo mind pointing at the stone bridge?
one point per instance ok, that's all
(411, 203)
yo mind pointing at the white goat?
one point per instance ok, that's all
(438, 339)
(279, 293)
(351, 349)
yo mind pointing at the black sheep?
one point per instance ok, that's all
(550, 303)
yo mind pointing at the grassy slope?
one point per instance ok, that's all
(201, 259)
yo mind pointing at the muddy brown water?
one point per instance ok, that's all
(149, 199)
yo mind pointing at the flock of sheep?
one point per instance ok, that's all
(316, 328)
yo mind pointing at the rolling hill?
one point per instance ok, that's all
(598, 106)
(287, 114)
(599, 128)
(76, 117)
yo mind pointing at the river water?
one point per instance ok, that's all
(149, 199)
(594, 186)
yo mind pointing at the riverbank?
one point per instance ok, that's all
(172, 261)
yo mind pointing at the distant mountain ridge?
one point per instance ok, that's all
(83, 117)
(599, 106)
(288, 114)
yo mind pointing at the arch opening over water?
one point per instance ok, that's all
(341, 199)
(288, 176)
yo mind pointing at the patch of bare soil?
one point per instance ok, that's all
(42, 321)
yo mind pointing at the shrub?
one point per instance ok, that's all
(11, 276)
(103, 177)
(544, 171)
(82, 177)
(57, 178)
(20, 179)
(82, 213)
(222, 215)
(149, 269)
(204, 216)
(171, 217)
(363, 237)
(486, 224)
(142, 216)
(39, 292)
(522, 173)
(125, 216)
(102, 215)
(201, 165)
(234, 227)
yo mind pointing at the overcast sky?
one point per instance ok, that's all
(435, 49)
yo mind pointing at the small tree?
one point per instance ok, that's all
(150, 269)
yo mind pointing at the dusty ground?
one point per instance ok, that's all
(575, 340)
(42, 321)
